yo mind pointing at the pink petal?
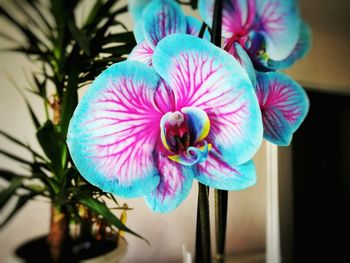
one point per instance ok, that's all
(217, 173)
(143, 53)
(114, 129)
(175, 184)
(206, 77)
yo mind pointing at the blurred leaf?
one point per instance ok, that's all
(104, 211)
(111, 196)
(18, 142)
(22, 200)
(6, 36)
(125, 37)
(36, 188)
(33, 40)
(79, 36)
(100, 10)
(92, 17)
(22, 6)
(33, 116)
(32, 50)
(7, 193)
(119, 50)
(101, 31)
(41, 86)
(9, 175)
(70, 99)
(40, 14)
(51, 141)
(14, 157)
(50, 182)
(194, 4)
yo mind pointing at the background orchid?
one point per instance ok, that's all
(156, 19)
(267, 36)
(148, 132)
(284, 105)
(269, 30)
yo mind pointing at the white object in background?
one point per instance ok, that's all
(186, 256)
(273, 247)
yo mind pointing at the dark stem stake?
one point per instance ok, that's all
(220, 195)
(198, 248)
(204, 224)
(220, 223)
(216, 26)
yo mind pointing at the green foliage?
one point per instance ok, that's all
(69, 55)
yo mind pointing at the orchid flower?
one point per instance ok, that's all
(155, 20)
(149, 131)
(284, 105)
(300, 50)
(270, 31)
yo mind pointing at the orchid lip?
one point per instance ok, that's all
(183, 133)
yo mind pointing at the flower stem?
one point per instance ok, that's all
(220, 223)
(198, 253)
(203, 253)
(216, 26)
(220, 195)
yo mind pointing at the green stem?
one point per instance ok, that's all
(204, 223)
(220, 197)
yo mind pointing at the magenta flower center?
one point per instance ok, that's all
(178, 135)
(183, 133)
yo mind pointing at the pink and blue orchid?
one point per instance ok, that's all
(267, 35)
(155, 20)
(284, 105)
(270, 31)
(149, 131)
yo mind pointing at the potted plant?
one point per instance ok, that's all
(67, 57)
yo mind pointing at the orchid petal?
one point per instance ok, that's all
(138, 32)
(164, 97)
(136, 7)
(243, 58)
(216, 173)
(162, 18)
(206, 10)
(279, 22)
(194, 27)
(206, 77)
(175, 185)
(299, 51)
(284, 105)
(113, 131)
(236, 14)
(142, 53)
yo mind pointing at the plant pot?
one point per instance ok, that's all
(37, 250)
